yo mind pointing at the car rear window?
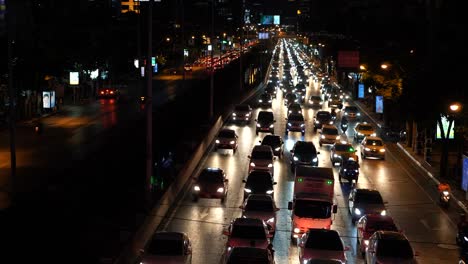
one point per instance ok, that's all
(265, 116)
(242, 108)
(261, 155)
(374, 142)
(369, 197)
(166, 247)
(330, 131)
(226, 133)
(324, 241)
(366, 127)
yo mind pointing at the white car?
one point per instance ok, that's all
(319, 243)
(261, 158)
(167, 247)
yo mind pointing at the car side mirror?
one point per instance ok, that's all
(286, 119)
(256, 120)
(260, 141)
(318, 152)
(416, 253)
(274, 183)
(249, 156)
(241, 207)
(347, 248)
(226, 180)
(290, 205)
(335, 208)
(226, 233)
(244, 181)
(277, 209)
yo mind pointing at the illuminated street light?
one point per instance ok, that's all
(362, 67)
(455, 107)
(384, 66)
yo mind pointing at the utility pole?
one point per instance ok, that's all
(241, 42)
(149, 107)
(11, 188)
(211, 61)
(183, 43)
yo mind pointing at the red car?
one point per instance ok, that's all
(368, 224)
(108, 92)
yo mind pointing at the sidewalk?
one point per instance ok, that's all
(430, 168)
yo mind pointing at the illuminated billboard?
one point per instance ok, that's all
(276, 20)
(266, 20)
(445, 125)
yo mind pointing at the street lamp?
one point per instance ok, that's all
(453, 111)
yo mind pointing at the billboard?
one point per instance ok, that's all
(361, 90)
(348, 59)
(46, 100)
(465, 173)
(74, 78)
(263, 35)
(379, 104)
(445, 125)
(276, 19)
(266, 20)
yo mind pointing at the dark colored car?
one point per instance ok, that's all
(244, 255)
(258, 182)
(261, 206)
(265, 122)
(322, 117)
(242, 113)
(271, 89)
(265, 100)
(304, 153)
(226, 139)
(349, 170)
(165, 245)
(365, 201)
(295, 123)
(368, 224)
(294, 108)
(319, 243)
(210, 183)
(276, 143)
(108, 92)
(290, 98)
(351, 112)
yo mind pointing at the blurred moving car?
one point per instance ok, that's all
(290, 98)
(246, 255)
(271, 89)
(265, 122)
(349, 170)
(295, 123)
(388, 247)
(294, 108)
(261, 158)
(351, 112)
(319, 243)
(259, 182)
(372, 147)
(316, 101)
(226, 139)
(210, 183)
(247, 232)
(329, 134)
(188, 67)
(265, 100)
(368, 224)
(167, 247)
(261, 206)
(276, 143)
(304, 153)
(362, 130)
(322, 117)
(242, 113)
(340, 150)
(108, 92)
(365, 201)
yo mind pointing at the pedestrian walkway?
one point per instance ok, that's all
(430, 168)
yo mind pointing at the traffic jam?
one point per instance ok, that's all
(297, 174)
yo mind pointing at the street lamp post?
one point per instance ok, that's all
(149, 108)
(453, 111)
(211, 114)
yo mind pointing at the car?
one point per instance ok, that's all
(329, 134)
(300, 91)
(304, 153)
(245, 255)
(108, 92)
(322, 117)
(261, 206)
(349, 170)
(261, 158)
(167, 247)
(387, 247)
(290, 98)
(351, 112)
(276, 143)
(368, 224)
(188, 67)
(316, 101)
(335, 103)
(294, 108)
(319, 243)
(265, 100)
(226, 139)
(259, 182)
(271, 89)
(339, 150)
(372, 147)
(210, 183)
(247, 232)
(365, 201)
(362, 130)
(242, 113)
(265, 122)
(295, 123)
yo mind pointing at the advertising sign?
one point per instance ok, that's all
(379, 104)
(46, 100)
(276, 20)
(266, 20)
(74, 78)
(52, 99)
(263, 35)
(361, 90)
(465, 172)
(348, 59)
(445, 125)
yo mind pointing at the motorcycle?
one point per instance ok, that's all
(344, 127)
(444, 198)
(38, 127)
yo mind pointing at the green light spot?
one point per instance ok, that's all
(329, 182)
(300, 180)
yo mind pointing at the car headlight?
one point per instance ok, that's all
(247, 190)
(271, 126)
(358, 114)
(382, 150)
(335, 155)
(289, 124)
(269, 192)
(337, 137)
(373, 134)
(269, 101)
(297, 230)
(277, 149)
(234, 114)
(465, 238)
(366, 242)
(367, 149)
(383, 213)
(258, 125)
(247, 114)
(356, 170)
(302, 125)
(196, 188)
(360, 134)
(321, 103)
(315, 159)
(317, 122)
(232, 142)
(345, 170)
(260, 101)
(271, 220)
(357, 211)
(331, 122)
(217, 141)
(322, 136)
(252, 164)
(295, 158)
(270, 165)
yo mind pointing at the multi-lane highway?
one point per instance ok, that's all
(429, 229)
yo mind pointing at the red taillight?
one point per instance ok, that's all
(102, 92)
(112, 92)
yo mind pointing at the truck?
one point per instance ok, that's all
(313, 203)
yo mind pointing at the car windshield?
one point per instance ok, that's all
(323, 115)
(227, 134)
(330, 131)
(305, 208)
(259, 205)
(369, 197)
(340, 147)
(295, 118)
(374, 142)
(166, 247)
(394, 248)
(257, 257)
(305, 148)
(290, 96)
(381, 225)
(351, 109)
(265, 116)
(365, 127)
(210, 177)
(242, 108)
(248, 232)
(324, 241)
(262, 155)
(316, 98)
(271, 141)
